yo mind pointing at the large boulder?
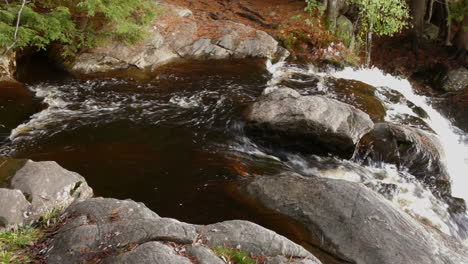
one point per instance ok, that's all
(454, 80)
(44, 187)
(410, 148)
(14, 205)
(116, 231)
(313, 121)
(431, 31)
(176, 34)
(350, 222)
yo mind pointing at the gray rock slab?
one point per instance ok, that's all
(128, 232)
(49, 186)
(352, 222)
(149, 253)
(13, 207)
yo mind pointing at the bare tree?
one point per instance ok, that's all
(449, 24)
(429, 11)
(18, 20)
(461, 40)
(332, 12)
(418, 9)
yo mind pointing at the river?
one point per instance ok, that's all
(174, 139)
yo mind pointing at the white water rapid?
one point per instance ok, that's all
(412, 197)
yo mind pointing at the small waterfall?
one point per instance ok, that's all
(414, 198)
(454, 142)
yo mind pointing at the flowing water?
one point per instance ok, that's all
(175, 140)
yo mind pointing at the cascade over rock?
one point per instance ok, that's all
(408, 147)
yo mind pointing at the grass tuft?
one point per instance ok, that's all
(233, 256)
(14, 244)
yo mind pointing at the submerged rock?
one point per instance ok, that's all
(44, 186)
(350, 221)
(115, 231)
(177, 35)
(312, 121)
(407, 147)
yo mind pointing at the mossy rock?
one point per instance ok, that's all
(359, 95)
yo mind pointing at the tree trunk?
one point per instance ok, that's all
(369, 44)
(461, 40)
(449, 24)
(418, 10)
(332, 12)
(429, 11)
(325, 4)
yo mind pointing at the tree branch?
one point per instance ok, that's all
(15, 36)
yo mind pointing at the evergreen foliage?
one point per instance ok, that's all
(73, 24)
(458, 10)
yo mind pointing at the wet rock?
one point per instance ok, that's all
(455, 80)
(418, 151)
(7, 66)
(358, 94)
(44, 186)
(312, 121)
(350, 221)
(177, 35)
(128, 232)
(14, 205)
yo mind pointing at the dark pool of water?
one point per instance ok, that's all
(174, 141)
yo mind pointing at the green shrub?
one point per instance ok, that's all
(74, 24)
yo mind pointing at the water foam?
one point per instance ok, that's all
(452, 138)
(411, 197)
